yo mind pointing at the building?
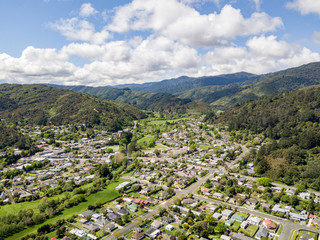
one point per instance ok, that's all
(226, 213)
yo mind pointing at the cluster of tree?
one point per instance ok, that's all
(291, 121)
(42, 105)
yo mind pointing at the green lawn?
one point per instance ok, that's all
(145, 139)
(105, 195)
(251, 230)
(15, 208)
(205, 147)
(158, 146)
(160, 122)
(236, 226)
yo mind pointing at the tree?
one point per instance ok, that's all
(264, 181)
(220, 228)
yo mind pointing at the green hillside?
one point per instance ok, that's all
(184, 83)
(164, 102)
(265, 85)
(38, 104)
(291, 120)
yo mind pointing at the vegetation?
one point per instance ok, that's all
(291, 121)
(158, 102)
(42, 105)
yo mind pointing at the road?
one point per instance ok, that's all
(288, 226)
(179, 193)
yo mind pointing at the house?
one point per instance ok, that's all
(254, 220)
(305, 195)
(137, 236)
(132, 207)
(238, 218)
(167, 220)
(229, 222)
(123, 212)
(202, 208)
(290, 192)
(90, 227)
(262, 232)
(278, 209)
(240, 236)
(252, 201)
(113, 216)
(168, 236)
(226, 213)
(169, 227)
(188, 201)
(298, 217)
(211, 208)
(205, 191)
(217, 215)
(218, 195)
(78, 233)
(306, 237)
(268, 224)
(156, 224)
(110, 227)
(265, 205)
(152, 232)
(244, 224)
(96, 216)
(224, 237)
(86, 213)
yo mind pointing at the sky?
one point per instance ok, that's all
(111, 42)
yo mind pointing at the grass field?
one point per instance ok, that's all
(251, 230)
(145, 139)
(105, 195)
(15, 208)
(160, 122)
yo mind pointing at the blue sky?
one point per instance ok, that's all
(108, 42)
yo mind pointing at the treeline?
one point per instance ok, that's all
(291, 120)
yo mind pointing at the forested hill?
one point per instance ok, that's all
(224, 91)
(160, 102)
(263, 85)
(292, 120)
(39, 104)
(183, 83)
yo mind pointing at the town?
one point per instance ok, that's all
(162, 179)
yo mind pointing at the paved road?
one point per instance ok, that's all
(288, 226)
(169, 202)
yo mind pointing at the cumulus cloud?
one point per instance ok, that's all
(187, 25)
(260, 55)
(80, 30)
(37, 66)
(87, 10)
(305, 6)
(150, 59)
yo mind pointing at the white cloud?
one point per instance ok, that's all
(80, 30)
(257, 3)
(150, 59)
(187, 25)
(37, 66)
(261, 55)
(87, 10)
(305, 6)
(316, 37)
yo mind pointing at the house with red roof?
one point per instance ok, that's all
(268, 224)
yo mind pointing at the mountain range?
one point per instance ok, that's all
(187, 94)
